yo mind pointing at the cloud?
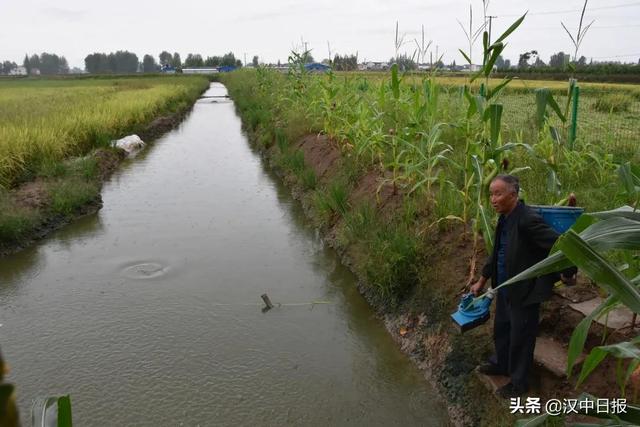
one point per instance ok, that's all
(67, 15)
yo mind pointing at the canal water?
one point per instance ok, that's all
(148, 312)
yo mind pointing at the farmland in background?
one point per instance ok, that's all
(43, 121)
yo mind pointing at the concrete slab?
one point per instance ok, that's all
(552, 355)
(575, 294)
(617, 319)
(493, 383)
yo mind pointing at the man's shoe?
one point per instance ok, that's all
(491, 369)
(508, 391)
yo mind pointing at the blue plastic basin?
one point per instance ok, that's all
(560, 218)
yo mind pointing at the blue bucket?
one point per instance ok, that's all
(560, 218)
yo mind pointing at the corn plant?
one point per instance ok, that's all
(583, 246)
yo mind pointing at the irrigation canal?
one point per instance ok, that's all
(148, 312)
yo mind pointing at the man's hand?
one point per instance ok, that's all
(477, 287)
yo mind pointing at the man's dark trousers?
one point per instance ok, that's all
(514, 332)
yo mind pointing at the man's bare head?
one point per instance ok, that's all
(503, 192)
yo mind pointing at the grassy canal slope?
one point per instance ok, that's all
(55, 136)
(388, 170)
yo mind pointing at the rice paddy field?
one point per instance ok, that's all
(43, 121)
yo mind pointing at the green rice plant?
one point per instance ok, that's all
(613, 103)
(46, 121)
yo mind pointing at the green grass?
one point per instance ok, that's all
(44, 121)
(69, 195)
(15, 222)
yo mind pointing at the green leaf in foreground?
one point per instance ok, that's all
(579, 335)
(599, 269)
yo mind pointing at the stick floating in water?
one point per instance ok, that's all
(267, 302)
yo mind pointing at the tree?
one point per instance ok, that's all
(53, 64)
(123, 62)
(34, 62)
(176, 62)
(254, 61)
(149, 64)
(500, 62)
(194, 60)
(26, 64)
(405, 62)
(164, 57)
(523, 61)
(228, 60)
(238, 63)
(213, 61)
(97, 63)
(582, 61)
(7, 66)
(345, 62)
(559, 60)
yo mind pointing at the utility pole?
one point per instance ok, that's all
(490, 19)
(245, 59)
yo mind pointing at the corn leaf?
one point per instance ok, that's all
(622, 350)
(621, 212)
(511, 29)
(64, 411)
(466, 57)
(632, 414)
(579, 335)
(488, 67)
(534, 421)
(498, 88)
(616, 232)
(599, 269)
(495, 122)
(554, 105)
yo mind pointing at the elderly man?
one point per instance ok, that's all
(522, 239)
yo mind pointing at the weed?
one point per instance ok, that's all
(69, 195)
(309, 179)
(15, 222)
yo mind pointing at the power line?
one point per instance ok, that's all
(594, 27)
(617, 56)
(558, 12)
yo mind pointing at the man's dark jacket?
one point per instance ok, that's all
(529, 240)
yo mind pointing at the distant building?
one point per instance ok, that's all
(226, 69)
(317, 67)
(200, 70)
(473, 68)
(166, 68)
(373, 66)
(18, 71)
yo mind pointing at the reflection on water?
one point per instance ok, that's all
(148, 312)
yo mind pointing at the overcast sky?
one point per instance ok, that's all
(270, 29)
